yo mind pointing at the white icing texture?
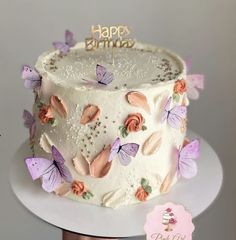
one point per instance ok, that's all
(147, 69)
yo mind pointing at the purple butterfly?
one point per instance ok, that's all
(64, 47)
(175, 115)
(125, 152)
(102, 76)
(29, 122)
(52, 172)
(31, 77)
(187, 167)
(194, 82)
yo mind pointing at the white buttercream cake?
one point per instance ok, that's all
(82, 118)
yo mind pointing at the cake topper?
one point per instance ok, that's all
(125, 152)
(64, 47)
(102, 76)
(109, 37)
(53, 173)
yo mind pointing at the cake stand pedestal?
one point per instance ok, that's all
(196, 195)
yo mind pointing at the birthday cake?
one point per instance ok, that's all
(108, 125)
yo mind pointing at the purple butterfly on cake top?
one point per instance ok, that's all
(64, 47)
(194, 82)
(102, 76)
(29, 122)
(186, 166)
(124, 152)
(53, 172)
(31, 77)
(174, 116)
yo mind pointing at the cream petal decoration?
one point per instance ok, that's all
(59, 106)
(81, 164)
(100, 165)
(46, 143)
(90, 114)
(152, 144)
(185, 101)
(115, 199)
(166, 184)
(63, 189)
(138, 99)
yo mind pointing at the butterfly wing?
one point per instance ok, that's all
(32, 84)
(57, 155)
(194, 82)
(166, 110)
(62, 47)
(176, 115)
(69, 38)
(124, 158)
(38, 166)
(100, 72)
(28, 119)
(63, 170)
(130, 148)
(187, 167)
(126, 152)
(192, 91)
(30, 74)
(32, 131)
(114, 149)
(191, 150)
(107, 78)
(197, 80)
(51, 180)
(188, 63)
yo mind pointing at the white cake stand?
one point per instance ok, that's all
(196, 195)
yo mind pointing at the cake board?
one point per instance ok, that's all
(123, 222)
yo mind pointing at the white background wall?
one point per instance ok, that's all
(203, 30)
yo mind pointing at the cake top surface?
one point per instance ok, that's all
(142, 66)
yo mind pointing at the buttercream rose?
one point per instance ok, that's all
(180, 86)
(45, 114)
(78, 188)
(141, 194)
(134, 122)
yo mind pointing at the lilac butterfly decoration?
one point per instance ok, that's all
(53, 172)
(124, 152)
(187, 167)
(102, 76)
(31, 77)
(64, 47)
(194, 82)
(29, 122)
(175, 115)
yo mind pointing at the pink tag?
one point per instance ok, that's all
(169, 222)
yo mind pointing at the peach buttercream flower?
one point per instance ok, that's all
(180, 86)
(141, 194)
(78, 188)
(134, 122)
(45, 114)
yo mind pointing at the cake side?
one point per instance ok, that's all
(87, 118)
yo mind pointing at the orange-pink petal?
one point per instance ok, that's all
(59, 106)
(100, 166)
(90, 114)
(138, 99)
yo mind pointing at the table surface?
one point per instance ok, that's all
(93, 220)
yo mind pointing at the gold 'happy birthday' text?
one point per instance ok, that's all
(108, 37)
